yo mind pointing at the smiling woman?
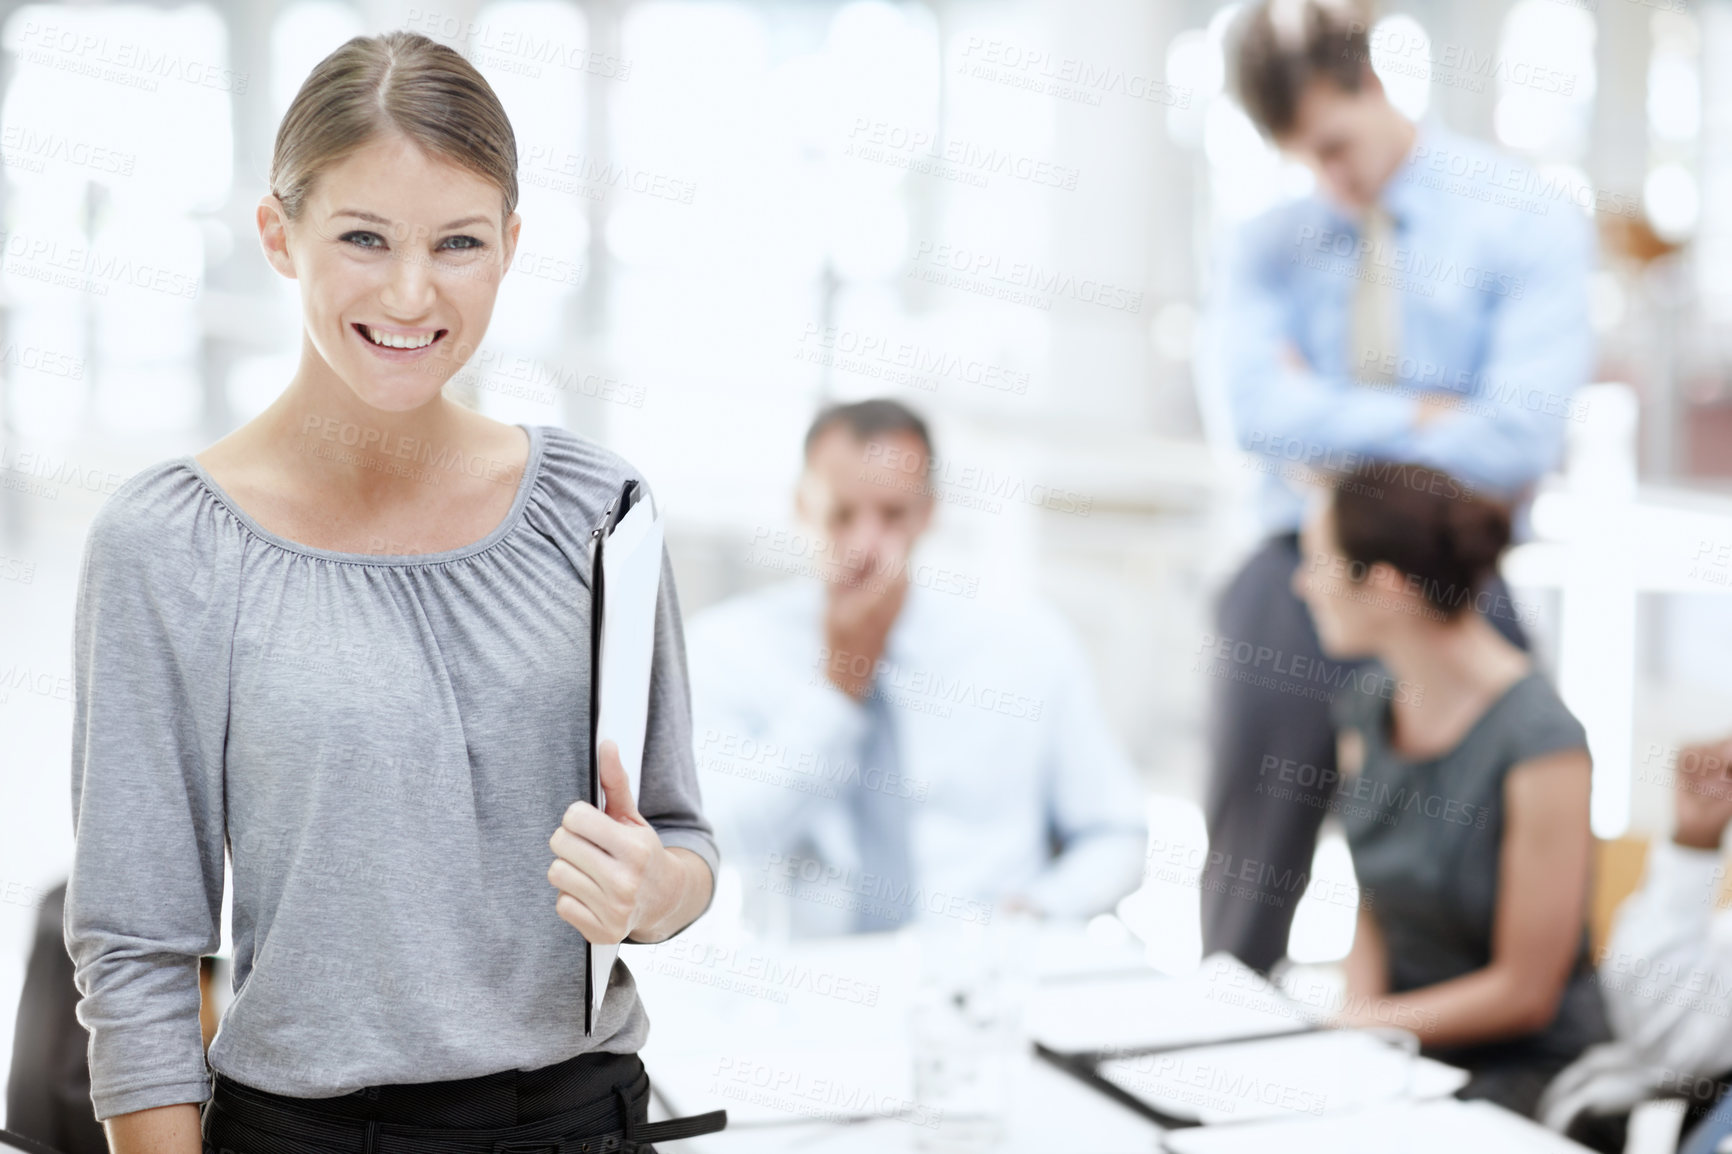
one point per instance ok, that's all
(370, 579)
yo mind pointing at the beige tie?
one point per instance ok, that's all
(1375, 336)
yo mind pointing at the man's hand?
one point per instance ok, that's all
(1434, 407)
(1702, 794)
(862, 606)
(612, 871)
(1291, 358)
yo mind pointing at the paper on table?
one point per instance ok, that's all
(1443, 1126)
(1310, 1074)
(1224, 999)
(631, 566)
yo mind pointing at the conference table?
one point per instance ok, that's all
(813, 1045)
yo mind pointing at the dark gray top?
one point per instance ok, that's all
(383, 745)
(1427, 841)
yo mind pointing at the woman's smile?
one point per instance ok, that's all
(398, 344)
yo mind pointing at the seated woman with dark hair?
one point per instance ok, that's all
(1464, 789)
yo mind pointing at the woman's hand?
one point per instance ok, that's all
(612, 871)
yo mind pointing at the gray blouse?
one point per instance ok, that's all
(382, 745)
(1427, 841)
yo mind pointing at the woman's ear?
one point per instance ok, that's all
(1385, 578)
(274, 234)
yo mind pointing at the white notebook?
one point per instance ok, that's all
(1223, 1000)
(1300, 1076)
(1443, 1126)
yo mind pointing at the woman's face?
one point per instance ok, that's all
(1350, 603)
(399, 254)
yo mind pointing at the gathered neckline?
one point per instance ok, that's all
(526, 484)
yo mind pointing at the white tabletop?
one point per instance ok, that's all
(791, 1039)
(810, 1045)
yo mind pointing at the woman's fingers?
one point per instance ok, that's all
(568, 879)
(586, 906)
(603, 888)
(591, 824)
(582, 919)
(593, 861)
(604, 860)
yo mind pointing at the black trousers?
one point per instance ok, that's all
(583, 1104)
(1274, 705)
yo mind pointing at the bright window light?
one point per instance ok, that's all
(1194, 63)
(1546, 78)
(304, 34)
(129, 109)
(1671, 201)
(1674, 97)
(1401, 58)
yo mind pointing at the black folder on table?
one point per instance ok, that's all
(1083, 1024)
(1281, 1075)
(1085, 1066)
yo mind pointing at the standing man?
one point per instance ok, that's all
(1412, 308)
(875, 746)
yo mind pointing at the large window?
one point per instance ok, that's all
(116, 139)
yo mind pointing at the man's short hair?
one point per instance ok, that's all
(869, 419)
(1281, 46)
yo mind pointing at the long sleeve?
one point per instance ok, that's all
(1539, 352)
(150, 698)
(1668, 962)
(1278, 410)
(670, 799)
(775, 739)
(1095, 804)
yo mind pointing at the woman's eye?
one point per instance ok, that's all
(363, 239)
(458, 242)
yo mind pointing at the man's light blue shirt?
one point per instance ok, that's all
(1491, 263)
(1014, 782)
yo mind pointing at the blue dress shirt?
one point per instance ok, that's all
(1006, 777)
(1491, 262)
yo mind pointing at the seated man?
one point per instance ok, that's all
(1664, 973)
(875, 746)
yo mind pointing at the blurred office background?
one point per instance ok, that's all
(1000, 212)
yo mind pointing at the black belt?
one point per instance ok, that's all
(546, 1136)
